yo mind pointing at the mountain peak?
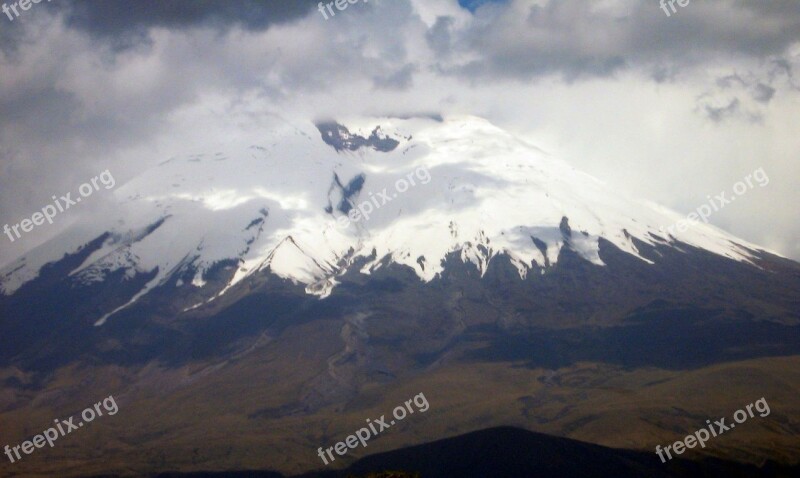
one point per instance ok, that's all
(307, 206)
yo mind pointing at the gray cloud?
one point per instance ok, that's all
(575, 38)
(718, 114)
(88, 85)
(439, 36)
(763, 93)
(111, 18)
(123, 24)
(399, 80)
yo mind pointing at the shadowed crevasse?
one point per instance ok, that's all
(341, 139)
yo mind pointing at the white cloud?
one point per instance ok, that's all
(577, 81)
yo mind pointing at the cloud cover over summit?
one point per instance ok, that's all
(711, 91)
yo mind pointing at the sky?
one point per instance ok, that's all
(671, 108)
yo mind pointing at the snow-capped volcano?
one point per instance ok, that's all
(310, 200)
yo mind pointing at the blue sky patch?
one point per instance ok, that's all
(473, 5)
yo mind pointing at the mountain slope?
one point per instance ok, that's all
(242, 319)
(514, 453)
(465, 187)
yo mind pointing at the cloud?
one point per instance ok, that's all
(613, 86)
(763, 93)
(400, 79)
(572, 38)
(112, 18)
(473, 5)
(718, 114)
